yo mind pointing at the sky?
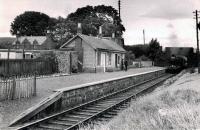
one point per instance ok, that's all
(170, 21)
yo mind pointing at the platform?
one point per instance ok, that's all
(45, 87)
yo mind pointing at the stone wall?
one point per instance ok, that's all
(63, 61)
(83, 93)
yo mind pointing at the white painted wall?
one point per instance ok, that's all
(12, 55)
(4, 55)
(122, 56)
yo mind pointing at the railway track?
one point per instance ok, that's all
(105, 107)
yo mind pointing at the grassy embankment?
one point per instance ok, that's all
(175, 106)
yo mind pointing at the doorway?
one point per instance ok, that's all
(103, 61)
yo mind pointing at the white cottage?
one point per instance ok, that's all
(96, 54)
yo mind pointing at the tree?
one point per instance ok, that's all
(62, 31)
(130, 57)
(91, 18)
(6, 42)
(138, 50)
(32, 23)
(154, 50)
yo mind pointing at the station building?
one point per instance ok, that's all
(96, 54)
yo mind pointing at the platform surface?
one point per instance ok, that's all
(46, 86)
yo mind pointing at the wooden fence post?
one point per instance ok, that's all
(34, 85)
(13, 89)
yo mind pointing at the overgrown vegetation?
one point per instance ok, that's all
(168, 108)
(5, 42)
(152, 51)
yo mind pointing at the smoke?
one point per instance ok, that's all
(173, 37)
(170, 25)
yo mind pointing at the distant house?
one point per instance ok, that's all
(20, 54)
(34, 43)
(11, 54)
(96, 54)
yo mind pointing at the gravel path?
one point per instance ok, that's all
(45, 86)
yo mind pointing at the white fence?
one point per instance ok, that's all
(142, 63)
(17, 87)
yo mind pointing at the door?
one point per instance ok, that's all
(103, 61)
(116, 60)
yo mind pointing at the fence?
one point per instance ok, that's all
(26, 66)
(17, 87)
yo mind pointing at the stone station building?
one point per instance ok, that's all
(96, 54)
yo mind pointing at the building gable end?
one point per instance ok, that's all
(26, 42)
(73, 39)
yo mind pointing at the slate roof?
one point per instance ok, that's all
(40, 39)
(98, 43)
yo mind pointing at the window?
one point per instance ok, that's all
(109, 58)
(98, 58)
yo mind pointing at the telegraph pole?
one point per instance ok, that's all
(119, 4)
(197, 36)
(144, 36)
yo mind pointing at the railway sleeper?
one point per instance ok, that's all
(73, 119)
(67, 120)
(77, 116)
(52, 126)
(83, 113)
(112, 113)
(90, 111)
(104, 104)
(40, 128)
(107, 116)
(113, 100)
(61, 122)
(102, 119)
(98, 109)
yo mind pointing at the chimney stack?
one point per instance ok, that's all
(113, 35)
(79, 29)
(113, 38)
(100, 32)
(48, 33)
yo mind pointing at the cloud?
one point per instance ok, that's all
(170, 9)
(173, 37)
(170, 25)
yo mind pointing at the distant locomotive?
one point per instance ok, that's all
(177, 63)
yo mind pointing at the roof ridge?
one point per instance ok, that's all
(97, 43)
